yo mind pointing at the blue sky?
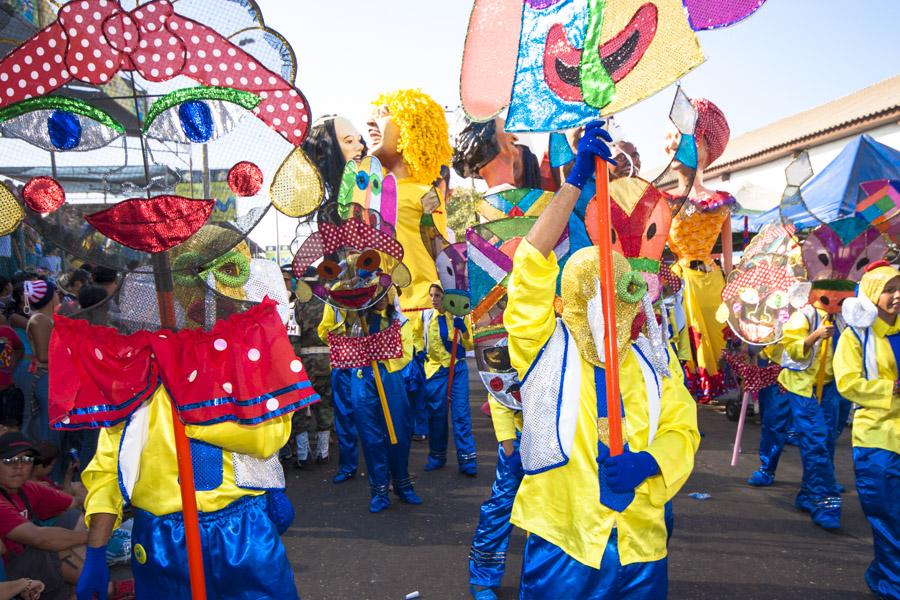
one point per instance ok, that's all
(789, 56)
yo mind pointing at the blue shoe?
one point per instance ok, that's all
(482, 593)
(378, 503)
(343, 476)
(469, 469)
(435, 463)
(840, 489)
(827, 520)
(408, 495)
(761, 479)
(804, 502)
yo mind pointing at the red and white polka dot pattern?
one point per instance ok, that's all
(92, 40)
(355, 352)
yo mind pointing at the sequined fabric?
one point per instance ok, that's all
(694, 232)
(258, 473)
(540, 447)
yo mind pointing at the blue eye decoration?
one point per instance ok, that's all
(64, 129)
(196, 121)
(362, 180)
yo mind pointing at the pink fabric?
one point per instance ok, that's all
(712, 128)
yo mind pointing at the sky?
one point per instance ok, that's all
(789, 56)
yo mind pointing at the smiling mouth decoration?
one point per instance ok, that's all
(619, 55)
(152, 225)
(355, 298)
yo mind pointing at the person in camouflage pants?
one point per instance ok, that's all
(302, 325)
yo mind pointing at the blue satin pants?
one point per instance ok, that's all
(243, 558)
(383, 459)
(487, 557)
(878, 484)
(775, 411)
(814, 424)
(831, 408)
(414, 376)
(460, 413)
(548, 572)
(344, 424)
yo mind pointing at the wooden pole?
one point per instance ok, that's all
(608, 297)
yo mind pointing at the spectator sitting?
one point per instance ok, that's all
(47, 455)
(31, 550)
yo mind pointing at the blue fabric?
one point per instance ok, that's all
(383, 459)
(207, 461)
(818, 489)
(834, 191)
(487, 557)
(94, 579)
(561, 152)
(591, 145)
(64, 129)
(831, 405)
(243, 558)
(280, 509)
(447, 338)
(878, 485)
(344, 424)
(547, 570)
(196, 121)
(460, 413)
(669, 517)
(414, 377)
(629, 470)
(35, 416)
(617, 501)
(775, 411)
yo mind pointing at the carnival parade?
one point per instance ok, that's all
(492, 299)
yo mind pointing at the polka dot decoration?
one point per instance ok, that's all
(245, 179)
(354, 352)
(43, 194)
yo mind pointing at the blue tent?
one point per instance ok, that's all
(834, 191)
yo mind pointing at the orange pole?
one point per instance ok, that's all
(608, 296)
(452, 362)
(189, 510)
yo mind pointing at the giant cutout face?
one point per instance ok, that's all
(112, 112)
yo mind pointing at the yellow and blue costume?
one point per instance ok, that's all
(233, 464)
(814, 422)
(577, 542)
(439, 341)
(333, 321)
(865, 367)
(775, 414)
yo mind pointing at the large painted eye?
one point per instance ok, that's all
(375, 181)
(62, 130)
(198, 115)
(362, 180)
(369, 260)
(328, 270)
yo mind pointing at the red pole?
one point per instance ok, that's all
(608, 296)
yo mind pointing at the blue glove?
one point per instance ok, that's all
(94, 579)
(592, 144)
(280, 510)
(629, 470)
(460, 323)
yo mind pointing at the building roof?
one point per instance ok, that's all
(856, 113)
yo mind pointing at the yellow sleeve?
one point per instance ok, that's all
(418, 331)
(327, 323)
(504, 420)
(676, 441)
(259, 441)
(529, 316)
(101, 477)
(848, 374)
(466, 337)
(795, 331)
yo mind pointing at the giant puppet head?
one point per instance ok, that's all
(452, 267)
(835, 256)
(165, 129)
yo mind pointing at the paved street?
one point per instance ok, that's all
(743, 542)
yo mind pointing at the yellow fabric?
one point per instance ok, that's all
(562, 505)
(773, 353)
(437, 355)
(329, 323)
(872, 283)
(692, 237)
(702, 297)
(417, 324)
(876, 424)
(415, 255)
(506, 420)
(157, 490)
(803, 383)
(680, 339)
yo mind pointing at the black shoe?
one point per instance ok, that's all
(322, 460)
(420, 437)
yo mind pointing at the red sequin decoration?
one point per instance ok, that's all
(245, 179)
(43, 194)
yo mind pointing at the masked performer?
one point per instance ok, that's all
(865, 367)
(695, 229)
(596, 522)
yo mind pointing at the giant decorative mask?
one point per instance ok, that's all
(451, 265)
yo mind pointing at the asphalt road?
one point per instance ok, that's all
(743, 542)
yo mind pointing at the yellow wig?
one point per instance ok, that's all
(424, 137)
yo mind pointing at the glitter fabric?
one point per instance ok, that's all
(152, 225)
(489, 57)
(695, 229)
(580, 288)
(253, 473)
(711, 128)
(881, 207)
(247, 100)
(348, 352)
(245, 179)
(43, 194)
(65, 129)
(712, 14)
(521, 202)
(11, 213)
(297, 188)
